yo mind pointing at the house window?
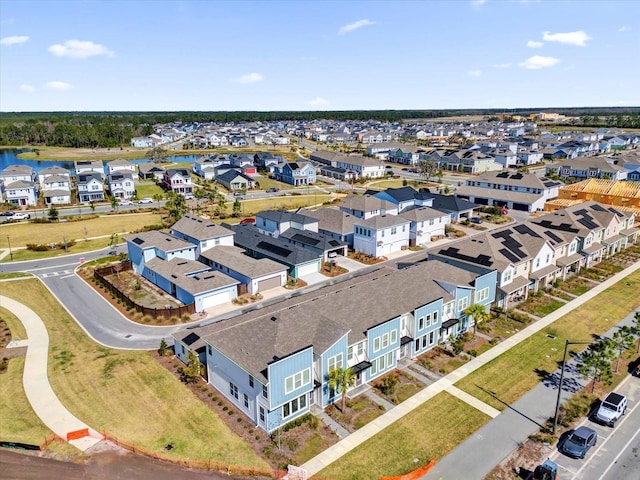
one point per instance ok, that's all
(250, 381)
(435, 317)
(463, 303)
(394, 230)
(209, 350)
(297, 380)
(376, 344)
(350, 354)
(420, 323)
(233, 390)
(385, 340)
(482, 295)
(262, 415)
(245, 399)
(394, 337)
(417, 344)
(335, 362)
(264, 391)
(427, 320)
(424, 341)
(389, 359)
(432, 336)
(293, 406)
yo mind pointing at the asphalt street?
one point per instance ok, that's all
(486, 448)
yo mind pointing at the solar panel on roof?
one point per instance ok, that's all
(276, 249)
(525, 230)
(503, 175)
(517, 176)
(298, 237)
(552, 236)
(138, 241)
(598, 207)
(507, 254)
(334, 243)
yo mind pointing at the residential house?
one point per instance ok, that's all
(364, 167)
(367, 206)
(427, 224)
(583, 168)
(21, 193)
(56, 189)
(299, 261)
(288, 369)
(381, 235)
(123, 166)
(458, 208)
(276, 222)
(333, 223)
(404, 197)
(296, 173)
(178, 180)
(203, 233)
(151, 171)
(88, 167)
(205, 167)
(121, 184)
(514, 190)
(90, 187)
(267, 161)
(235, 181)
(53, 171)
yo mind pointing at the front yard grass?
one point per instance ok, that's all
(45, 233)
(518, 370)
(127, 393)
(540, 305)
(149, 189)
(416, 435)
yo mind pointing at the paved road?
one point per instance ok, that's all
(97, 317)
(615, 456)
(481, 452)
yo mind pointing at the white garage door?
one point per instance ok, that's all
(216, 299)
(268, 283)
(307, 269)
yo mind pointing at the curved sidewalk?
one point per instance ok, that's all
(333, 453)
(36, 384)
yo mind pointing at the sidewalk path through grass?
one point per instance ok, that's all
(41, 396)
(347, 444)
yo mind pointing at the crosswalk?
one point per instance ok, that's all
(61, 274)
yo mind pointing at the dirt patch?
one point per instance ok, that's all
(397, 386)
(441, 361)
(527, 456)
(288, 446)
(329, 270)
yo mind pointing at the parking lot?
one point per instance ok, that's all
(615, 455)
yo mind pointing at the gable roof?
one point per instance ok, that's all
(236, 259)
(161, 240)
(365, 203)
(178, 271)
(230, 175)
(332, 220)
(200, 228)
(282, 216)
(451, 203)
(89, 177)
(312, 239)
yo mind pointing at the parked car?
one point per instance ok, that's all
(272, 190)
(612, 408)
(125, 202)
(188, 196)
(248, 221)
(20, 216)
(477, 220)
(237, 194)
(579, 442)
(145, 200)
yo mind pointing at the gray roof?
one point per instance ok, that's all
(54, 170)
(249, 238)
(120, 162)
(88, 177)
(365, 203)
(236, 259)
(497, 194)
(312, 239)
(200, 228)
(282, 216)
(147, 167)
(513, 178)
(419, 214)
(584, 163)
(256, 339)
(53, 178)
(382, 221)
(178, 271)
(19, 184)
(88, 164)
(160, 240)
(332, 220)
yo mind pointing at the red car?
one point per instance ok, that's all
(248, 221)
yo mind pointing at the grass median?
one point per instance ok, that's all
(127, 393)
(430, 431)
(521, 368)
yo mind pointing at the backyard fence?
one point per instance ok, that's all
(199, 463)
(100, 275)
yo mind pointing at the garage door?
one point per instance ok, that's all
(521, 206)
(216, 299)
(268, 283)
(307, 269)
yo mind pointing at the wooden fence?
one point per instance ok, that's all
(200, 463)
(100, 275)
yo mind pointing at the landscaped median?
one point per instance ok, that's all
(125, 393)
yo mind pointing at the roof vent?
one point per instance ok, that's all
(273, 319)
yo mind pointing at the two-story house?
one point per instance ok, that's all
(178, 180)
(381, 235)
(121, 184)
(90, 187)
(296, 173)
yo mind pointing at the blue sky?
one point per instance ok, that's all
(324, 55)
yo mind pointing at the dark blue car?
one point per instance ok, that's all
(579, 442)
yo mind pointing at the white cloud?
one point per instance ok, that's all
(474, 73)
(58, 86)
(478, 3)
(79, 49)
(318, 102)
(578, 38)
(501, 65)
(249, 78)
(537, 62)
(534, 44)
(26, 88)
(14, 40)
(624, 28)
(354, 26)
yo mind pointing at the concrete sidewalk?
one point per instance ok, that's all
(341, 448)
(36, 384)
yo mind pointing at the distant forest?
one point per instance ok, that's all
(113, 129)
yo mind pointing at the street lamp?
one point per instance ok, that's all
(564, 361)
(10, 251)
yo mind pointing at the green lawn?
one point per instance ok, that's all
(431, 431)
(518, 370)
(149, 189)
(22, 233)
(80, 247)
(127, 393)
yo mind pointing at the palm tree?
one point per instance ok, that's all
(622, 340)
(342, 379)
(157, 198)
(479, 314)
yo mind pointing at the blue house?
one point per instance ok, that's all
(296, 173)
(274, 363)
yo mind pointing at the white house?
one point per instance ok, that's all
(123, 166)
(121, 184)
(380, 235)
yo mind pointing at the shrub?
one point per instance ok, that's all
(387, 384)
(186, 317)
(37, 247)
